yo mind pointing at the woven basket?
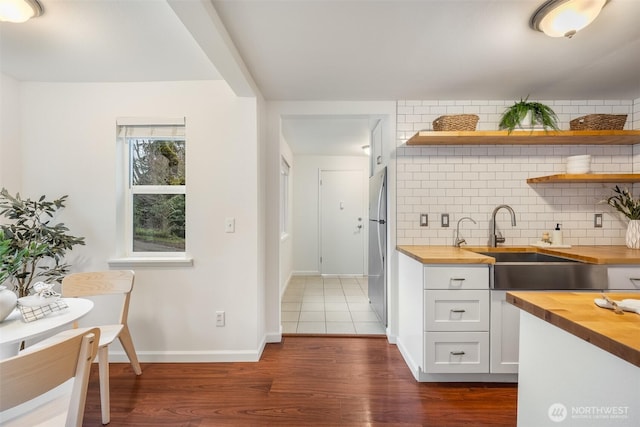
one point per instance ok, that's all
(456, 122)
(599, 122)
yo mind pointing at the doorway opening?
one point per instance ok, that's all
(325, 290)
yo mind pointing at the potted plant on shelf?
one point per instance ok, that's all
(526, 114)
(625, 203)
(32, 247)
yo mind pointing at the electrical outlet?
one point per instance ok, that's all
(424, 220)
(597, 220)
(444, 220)
(219, 318)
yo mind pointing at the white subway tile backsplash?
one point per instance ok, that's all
(473, 180)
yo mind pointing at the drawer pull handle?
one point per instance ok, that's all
(634, 280)
(457, 279)
(458, 310)
(457, 353)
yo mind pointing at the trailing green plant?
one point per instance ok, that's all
(625, 203)
(33, 248)
(540, 114)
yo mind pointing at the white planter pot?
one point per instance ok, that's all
(8, 300)
(632, 237)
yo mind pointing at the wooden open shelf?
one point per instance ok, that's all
(587, 177)
(538, 137)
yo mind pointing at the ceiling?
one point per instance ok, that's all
(430, 49)
(339, 50)
(102, 41)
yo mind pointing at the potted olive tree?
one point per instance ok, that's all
(33, 247)
(526, 114)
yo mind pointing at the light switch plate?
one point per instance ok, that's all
(230, 225)
(444, 220)
(424, 220)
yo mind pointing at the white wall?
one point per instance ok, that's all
(10, 154)
(473, 180)
(71, 150)
(306, 208)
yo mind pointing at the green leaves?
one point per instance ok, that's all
(624, 202)
(540, 114)
(30, 246)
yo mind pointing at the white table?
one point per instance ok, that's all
(14, 330)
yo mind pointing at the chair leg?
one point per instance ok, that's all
(103, 367)
(127, 344)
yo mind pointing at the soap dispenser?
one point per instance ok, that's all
(556, 236)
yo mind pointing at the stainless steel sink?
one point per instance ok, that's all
(536, 271)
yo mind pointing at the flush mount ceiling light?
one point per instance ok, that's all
(564, 18)
(19, 10)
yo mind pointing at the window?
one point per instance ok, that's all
(154, 191)
(284, 197)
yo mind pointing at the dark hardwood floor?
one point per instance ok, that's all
(322, 381)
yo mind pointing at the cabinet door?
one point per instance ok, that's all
(456, 352)
(466, 310)
(624, 278)
(452, 277)
(505, 334)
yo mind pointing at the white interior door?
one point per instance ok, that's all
(342, 222)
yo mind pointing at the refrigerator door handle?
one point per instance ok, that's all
(380, 221)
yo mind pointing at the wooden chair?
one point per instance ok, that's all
(47, 385)
(106, 283)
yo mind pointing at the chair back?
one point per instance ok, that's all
(95, 283)
(33, 373)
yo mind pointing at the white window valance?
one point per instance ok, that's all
(151, 127)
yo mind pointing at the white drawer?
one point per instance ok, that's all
(466, 310)
(624, 278)
(456, 277)
(456, 352)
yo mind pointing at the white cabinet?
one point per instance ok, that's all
(456, 277)
(623, 277)
(505, 334)
(456, 319)
(458, 352)
(445, 323)
(466, 310)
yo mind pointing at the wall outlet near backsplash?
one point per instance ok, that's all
(597, 220)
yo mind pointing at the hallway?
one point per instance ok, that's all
(328, 305)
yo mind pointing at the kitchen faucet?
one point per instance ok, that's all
(494, 239)
(458, 240)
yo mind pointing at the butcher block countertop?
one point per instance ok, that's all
(444, 255)
(466, 254)
(577, 314)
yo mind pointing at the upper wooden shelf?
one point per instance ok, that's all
(588, 177)
(537, 137)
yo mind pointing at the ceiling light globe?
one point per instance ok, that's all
(563, 18)
(18, 11)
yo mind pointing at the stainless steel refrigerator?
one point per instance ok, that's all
(378, 244)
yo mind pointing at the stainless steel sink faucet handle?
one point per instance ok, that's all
(459, 240)
(494, 238)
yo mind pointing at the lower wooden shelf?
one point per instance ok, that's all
(587, 177)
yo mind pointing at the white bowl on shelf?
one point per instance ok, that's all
(579, 164)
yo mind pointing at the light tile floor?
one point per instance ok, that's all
(328, 305)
